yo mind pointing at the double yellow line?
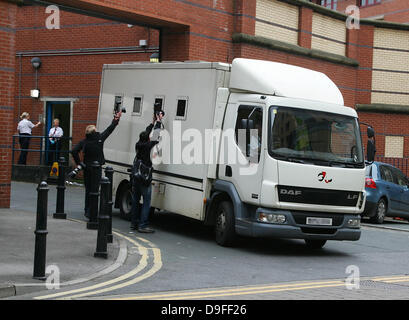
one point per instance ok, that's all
(226, 292)
(115, 284)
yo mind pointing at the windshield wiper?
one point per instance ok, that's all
(295, 159)
(328, 163)
(346, 164)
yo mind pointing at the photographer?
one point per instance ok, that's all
(93, 148)
(143, 187)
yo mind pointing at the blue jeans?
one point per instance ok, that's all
(140, 213)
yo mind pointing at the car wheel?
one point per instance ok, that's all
(225, 224)
(125, 203)
(380, 211)
(315, 244)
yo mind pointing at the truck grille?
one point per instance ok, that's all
(318, 196)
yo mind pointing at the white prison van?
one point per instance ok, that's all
(255, 148)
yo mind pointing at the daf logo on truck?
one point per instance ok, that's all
(291, 192)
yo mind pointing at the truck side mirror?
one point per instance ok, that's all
(370, 151)
(371, 148)
(370, 132)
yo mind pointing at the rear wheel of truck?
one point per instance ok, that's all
(225, 224)
(315, 244)
(125, 202)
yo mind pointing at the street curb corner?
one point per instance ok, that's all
(7, 290)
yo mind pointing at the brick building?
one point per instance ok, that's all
(71, 63)
(369, 64)
(387, 10)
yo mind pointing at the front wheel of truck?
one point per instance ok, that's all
(225, 224)
(315, 244)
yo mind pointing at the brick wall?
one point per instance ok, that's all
(390, 67)
(388, 10)
(394, 146)
(192, 30)
(277, 20)
(328, 34)
(66, 72)
(7, 65)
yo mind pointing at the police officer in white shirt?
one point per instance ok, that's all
(55, 135)
(24, 129)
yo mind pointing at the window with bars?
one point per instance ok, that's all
(137, 105)
(364, 3)
(330, 4)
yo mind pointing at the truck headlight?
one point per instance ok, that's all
(354, 223)
(272, 218)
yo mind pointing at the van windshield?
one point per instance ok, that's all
(322, 138)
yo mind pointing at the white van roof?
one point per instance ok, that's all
(284, 80)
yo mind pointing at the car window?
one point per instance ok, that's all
(386, 174)
(368, 171)
(400, 177)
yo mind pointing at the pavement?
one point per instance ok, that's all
(182, 261)
(69, 252)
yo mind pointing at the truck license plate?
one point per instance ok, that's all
(319, 221)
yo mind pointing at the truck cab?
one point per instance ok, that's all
(300, 169)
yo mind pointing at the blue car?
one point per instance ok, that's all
(387, 192)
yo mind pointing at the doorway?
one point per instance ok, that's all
(58, 110)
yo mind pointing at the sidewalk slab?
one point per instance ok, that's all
(70, 247)
(7, 290)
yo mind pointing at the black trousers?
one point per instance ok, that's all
(24, 141)
(88, 179)
(53, 153)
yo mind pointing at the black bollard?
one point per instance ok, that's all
(93, 195)
(109, 173)
(59, 211)
(103, 219)
(41, 232)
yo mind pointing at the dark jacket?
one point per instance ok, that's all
(143, 149)
(93, 146)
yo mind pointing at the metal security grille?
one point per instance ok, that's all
(318, 196)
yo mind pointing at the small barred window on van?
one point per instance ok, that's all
(181, 109)
(137, 105)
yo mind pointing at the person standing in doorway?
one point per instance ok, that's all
(24, 128)
(55, 135)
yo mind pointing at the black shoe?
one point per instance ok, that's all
(86, 216)
(134, 227)
(146, 230)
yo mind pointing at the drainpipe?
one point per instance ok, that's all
(19, 88)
